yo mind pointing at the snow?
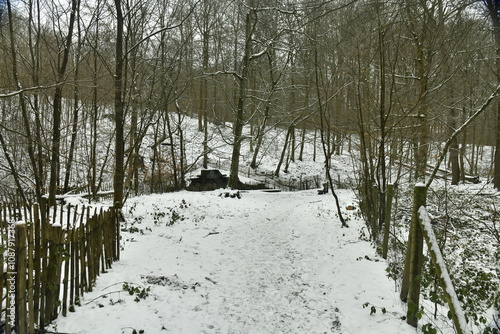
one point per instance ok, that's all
(265, 263)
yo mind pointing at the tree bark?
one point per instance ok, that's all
(455, 166)
(283, 151)
(239, 120)
(74, 126)
(57, 110)
(37, 166)
(119, 111)
(493, 10)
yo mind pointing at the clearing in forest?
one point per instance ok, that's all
(265, 263)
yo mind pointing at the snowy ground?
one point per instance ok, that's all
(265, 263)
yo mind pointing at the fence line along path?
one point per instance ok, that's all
(52, 256)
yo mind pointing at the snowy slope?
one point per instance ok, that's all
(265, 263)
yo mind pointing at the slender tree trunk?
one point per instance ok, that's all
(381, 165)
(13, 169)
(314, 144)
(119, 111)
(262, 129)
(243, 81)
(173, 155)
(422, 150)
(455, 166)
(76, 110)
(94, 113)
(292, 144)
(182, 152)
(496, 175)
(34, 43)
(323, 140)
(494, 8)
(302, 142)
(283, 152)
(56, 126)
(38, 172)
(462, 152)
(260, 136)
(203, 87)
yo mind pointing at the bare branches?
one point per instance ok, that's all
(29, 90)
(156, 32)
(457, 132)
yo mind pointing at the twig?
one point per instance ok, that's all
(211, 280)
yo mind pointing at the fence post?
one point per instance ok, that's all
(53, 272)
(2, 242)
(66, 244)
(416, 258)
(44, 247)
(21, 264)
(31, 301)
(37, 240)
(83, 253)
(116, 223)
(74, 262)
(387, 219)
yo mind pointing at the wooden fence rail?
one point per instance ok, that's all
(457, 314)
(52, 256)
(420, 230)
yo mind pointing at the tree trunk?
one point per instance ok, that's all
(74, 126)
(119, 111)
(314, 144)
(462, 150)
(260, 136)
(56, 125)
(302, 142)
(283, 152)
(494, 7)
(239, 121)
(496, 175)
(182, 153)
(416, 258)
(455, 166)
(173, 155)
(36, 163)
(381, 161)
(204, 83)
(422, 139)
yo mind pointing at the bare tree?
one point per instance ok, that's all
(119, 172)
(493, 8)
(242, 78)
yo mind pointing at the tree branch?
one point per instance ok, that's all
(458, 131)
(29, 89)
(161, 30)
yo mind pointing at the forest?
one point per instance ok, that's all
(102, 96)
(85, 82)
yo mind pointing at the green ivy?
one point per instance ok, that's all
(139, 292)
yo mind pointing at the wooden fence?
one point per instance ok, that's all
(420, 230)
(52, 257)
(303, 183)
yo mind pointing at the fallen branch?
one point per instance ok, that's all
(211, 280)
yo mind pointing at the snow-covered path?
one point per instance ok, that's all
(265, 263)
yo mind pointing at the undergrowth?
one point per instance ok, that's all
(466, 226)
